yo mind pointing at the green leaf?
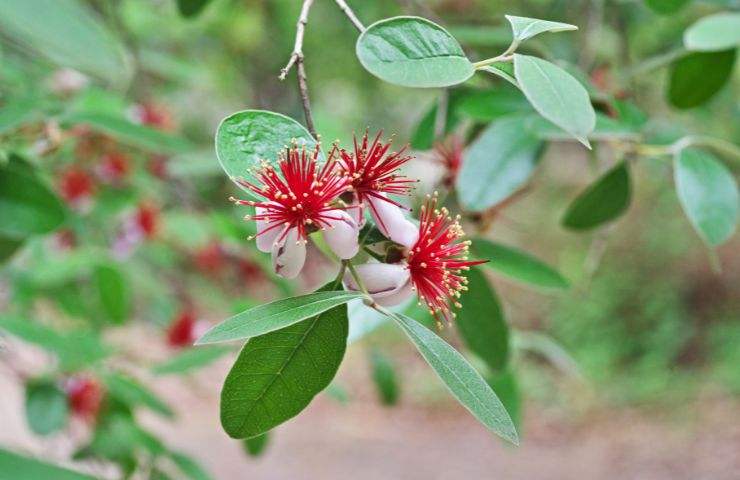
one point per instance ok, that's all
(275, 315)
(189, 466)
(503, 70)
(69, 34)
(606, 129)
(278, 374)
(19, 112)
(133, 394)
(697, 77)
(129, 132)
(720, 31)
(384, 377)
(497, 163)
(255, 446)
(604, 200)
(8, 247)
(489, 105)
(113, 293)
(507, 388)
(191, 8)
(46, 407)
(517, 264)
(524, 28)
(665, 7)
(189, 360)
(556, 95)
(27, 206)
(19, 467)
(708, 194)
(413, 52)
(460, 378)
(246, 138)
(481, 322)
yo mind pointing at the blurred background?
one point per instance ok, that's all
(633, 372)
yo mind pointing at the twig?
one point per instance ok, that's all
(296, 58)
(440, 120)
(351, 15)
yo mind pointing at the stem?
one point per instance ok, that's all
(351, 15)
(440, 120)
(723, 146)
(655, 62)
(507, 56)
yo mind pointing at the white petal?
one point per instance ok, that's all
(357, 213)
(341, 236)
(388, 284)
(398, 297)
(288, 255)
(392, 223)
(265, 240)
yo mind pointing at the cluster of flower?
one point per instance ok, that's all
(302, 195)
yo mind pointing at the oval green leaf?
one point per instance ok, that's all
(246, 138)
(384, 377)
(497, 163)
(465, 384)
(604, 200)
(278, 374)
(481, 322)
(275, 315)
(46, 407)
(524, 27)
(697, 77)
(113, 293)
(713, 33)
(517, 264)
(413, 52)
(708, 194)
(507, 388)
(556, 95)
(27, 206)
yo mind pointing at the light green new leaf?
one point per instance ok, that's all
(697, 77)
(113, 293)
(46, 407)
(255, 446)
(556, 95)
(27, 206)
(524, 28)
(246, 138)
(134, 394)
(413, 52)
(481, 322)
(604, 200)
(278, 374)
(517, 264)
(275, 315)
(189, 360)
(713, 33)
(497, 163)
(191, 8)
(384, 377)
(460, 378)
(69, 34)
(19, 467)
(708, 194)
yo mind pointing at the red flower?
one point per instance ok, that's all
(114, 167)
(181, 332)
(76, 186)
(450, 156)
(146, 219)
(249, 270)
(85, 396)
(157, 166)
(210, 258)
(153, 115)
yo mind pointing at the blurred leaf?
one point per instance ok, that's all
(18, 112)
(189, 360)
(460, 378)
(604, 200)
(384, 377)
(517, 264)
(497, 163)
(708, 194)
(128, 132)
(524, 28)
(548, 348)
(481, 35)
(423, 137)
(56, 271)
(19, 467)
(255, 446)
(337, 392)
(503, 70)
(67, 33)
(118, 438)
(193, 164)
(46, 407)
(488, 105)
(275, 315)
(246, 138)
(413, 52)
(133, 394)
(278, 374)
(113, 293)
(27, 206)
(665, 7)
(8, 247)
(370, 234)
(507, 388)
(481, 322)
(556, 95)
(191, 8)
(714, 32)
(606, 128)
(189, 466)
(697, 77)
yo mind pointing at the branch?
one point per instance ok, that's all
(351, 15)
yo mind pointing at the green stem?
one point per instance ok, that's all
(722, 146)
(507, 56)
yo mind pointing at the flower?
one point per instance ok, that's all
(450, 155)
(146, 219)
(114, 167)
(210, 259)
(141, 225)
(76, 187)
(433, 266)
(182, 330)
(153, 115)
(85, 396)
(298, 199)
(373, 175)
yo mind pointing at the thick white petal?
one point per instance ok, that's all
(341, 236)
(392, 223)
(388, 284)
(398, 297)
(265, 241)
(288, 255)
